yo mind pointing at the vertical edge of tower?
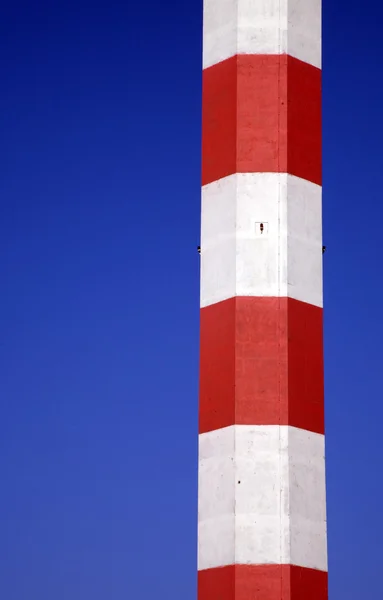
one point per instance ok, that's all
(262, 498)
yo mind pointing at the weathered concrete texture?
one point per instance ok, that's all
(261, 364)
(261, 114)
(262, 27)
(285, 259)
(262, 582)
(262, 497)
(262, 504)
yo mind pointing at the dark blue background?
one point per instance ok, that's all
(99, 223)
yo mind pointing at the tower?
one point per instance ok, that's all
(262, 498)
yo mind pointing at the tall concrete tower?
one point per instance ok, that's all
(262, 497)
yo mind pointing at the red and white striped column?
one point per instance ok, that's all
(262, 496)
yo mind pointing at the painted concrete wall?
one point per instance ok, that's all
(262, 27)
(262, 497)
(240, 260)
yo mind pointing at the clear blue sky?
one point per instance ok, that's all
(99, 223)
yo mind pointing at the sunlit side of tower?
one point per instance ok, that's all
(262, 496)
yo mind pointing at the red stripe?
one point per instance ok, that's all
(262, 582)
(261, 363)
(251, 103)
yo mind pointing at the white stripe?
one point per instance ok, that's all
(238, 260)
(262, 27)
(262, 497)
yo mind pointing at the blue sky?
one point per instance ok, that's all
(99, 223)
